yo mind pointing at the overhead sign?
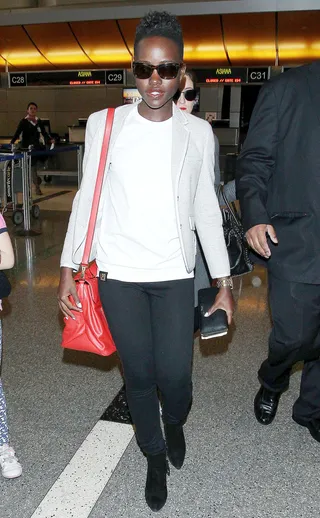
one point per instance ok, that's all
(17, 79)
(258, 75)
(67, 78)
(114, 77)
(226, 75)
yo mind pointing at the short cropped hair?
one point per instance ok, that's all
(32, 104)
(159, 23)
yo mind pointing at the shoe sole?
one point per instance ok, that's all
(12, 476)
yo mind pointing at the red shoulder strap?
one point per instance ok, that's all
(98, 187)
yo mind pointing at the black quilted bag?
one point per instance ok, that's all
(237, 246)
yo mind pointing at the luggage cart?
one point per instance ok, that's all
(11, 184)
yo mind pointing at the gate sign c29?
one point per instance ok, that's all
(114, 77)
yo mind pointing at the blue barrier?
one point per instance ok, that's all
(54, 151)
(8, 156)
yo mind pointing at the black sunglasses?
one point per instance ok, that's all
(189, 95)
(167, 70)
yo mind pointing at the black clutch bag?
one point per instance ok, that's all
(215, 325)
(237, 246)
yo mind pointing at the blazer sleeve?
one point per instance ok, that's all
(45, 134)
(256, 162)
(67, 252)
(18, 131)
(208, 217)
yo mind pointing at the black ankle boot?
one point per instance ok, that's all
(156, 485)
(176, 444)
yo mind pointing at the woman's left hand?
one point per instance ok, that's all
(224, 300)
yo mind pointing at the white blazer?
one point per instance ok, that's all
(196, 203)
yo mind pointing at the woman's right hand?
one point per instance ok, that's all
(67, 288)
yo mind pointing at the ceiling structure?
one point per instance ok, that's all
(243, 38)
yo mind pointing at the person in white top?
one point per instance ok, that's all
(185, 99)
(158, 189)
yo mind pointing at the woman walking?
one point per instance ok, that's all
(157, 191)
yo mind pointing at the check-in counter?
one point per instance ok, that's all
(76, 134)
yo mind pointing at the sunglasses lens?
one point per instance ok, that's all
(190, 95)
(168, 70)
(142, 70)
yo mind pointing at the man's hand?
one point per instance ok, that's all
(67, 288)
(257, 239)
(224, 300)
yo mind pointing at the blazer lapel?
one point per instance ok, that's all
(314, 87)
(180, 140)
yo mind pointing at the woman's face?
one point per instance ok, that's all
(32, 110)
(156, 92)
(182, 103)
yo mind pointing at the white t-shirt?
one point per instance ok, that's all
(138, 239)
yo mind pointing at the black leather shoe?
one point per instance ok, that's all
(313, 426)
(156, 485)
(266, 405)
(176, 444)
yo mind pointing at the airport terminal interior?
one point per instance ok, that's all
(68, 418)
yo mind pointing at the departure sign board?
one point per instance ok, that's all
(222, 75)
(68, 78)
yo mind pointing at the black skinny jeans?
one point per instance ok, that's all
(152, 326)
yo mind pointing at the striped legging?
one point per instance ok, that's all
(4, 435)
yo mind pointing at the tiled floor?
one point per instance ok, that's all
(76, 465)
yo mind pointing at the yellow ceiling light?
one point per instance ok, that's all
(23, 58)
(204, 52)
(263, 46)
(209, 48)
(292, 46)
(293, 50)
(65, 57)
(110, 55)
(237, 48)
(60, 53)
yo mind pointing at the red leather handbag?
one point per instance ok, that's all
(90, 331)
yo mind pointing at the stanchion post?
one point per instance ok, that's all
(26, 165)
(80, 152)
(26, 195)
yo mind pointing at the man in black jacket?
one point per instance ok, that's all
(278, 184)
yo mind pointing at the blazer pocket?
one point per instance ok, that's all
(289, 214)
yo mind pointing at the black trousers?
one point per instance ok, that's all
(295, 337)
(152, 326)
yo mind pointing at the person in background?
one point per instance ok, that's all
(185, 98)
(32, 132)
(278, 186)
(10, 466)
(158, 189)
